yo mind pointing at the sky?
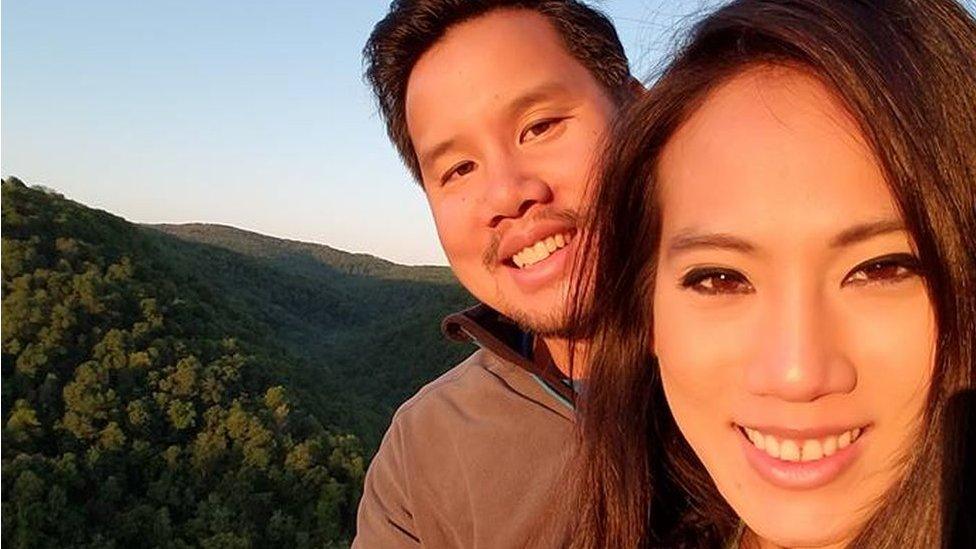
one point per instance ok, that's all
(246, 113)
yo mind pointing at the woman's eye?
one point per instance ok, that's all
(538, 129)
(884, 270)
(716, 282)
(460, 169)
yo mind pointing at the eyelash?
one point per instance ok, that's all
(695, 278)
(905, 265)
(454, 169)
(548, 121)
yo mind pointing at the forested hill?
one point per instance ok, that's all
(304, 257)
(197, 386)
(367, 331)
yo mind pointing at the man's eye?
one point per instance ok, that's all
(538, 129)
(884, 270)
(716, 282)
(460, 169)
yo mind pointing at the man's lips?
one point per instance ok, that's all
(516, 240)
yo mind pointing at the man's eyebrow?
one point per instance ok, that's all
(536, 94)
(429, 156)
(865, 231)
(524, 100)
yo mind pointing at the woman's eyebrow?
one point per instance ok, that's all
(688, 240)
(865, 231)
(692, 239)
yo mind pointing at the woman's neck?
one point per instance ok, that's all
(752, 540)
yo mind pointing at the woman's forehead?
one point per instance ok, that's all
(771, 147)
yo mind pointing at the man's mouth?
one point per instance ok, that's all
(541, 249)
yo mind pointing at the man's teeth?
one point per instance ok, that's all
(542, 249)
(801, 450)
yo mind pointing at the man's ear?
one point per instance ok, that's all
(635, 87)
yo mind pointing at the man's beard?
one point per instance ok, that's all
(550, 325)
(554, 323)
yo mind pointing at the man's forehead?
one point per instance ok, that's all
(487, 72)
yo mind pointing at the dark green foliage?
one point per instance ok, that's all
(305, 258)
(158, 392)
(369, 329)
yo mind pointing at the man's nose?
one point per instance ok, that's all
(512, 188)
(800, 359)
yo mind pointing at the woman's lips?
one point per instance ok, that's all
(801, 463)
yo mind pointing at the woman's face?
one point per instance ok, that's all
(795, 336)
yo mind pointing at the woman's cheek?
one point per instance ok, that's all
(892, 343)
(701, 352)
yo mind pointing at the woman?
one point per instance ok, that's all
(785, 265)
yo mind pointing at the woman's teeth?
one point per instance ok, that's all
(542, 249)
(801, 450)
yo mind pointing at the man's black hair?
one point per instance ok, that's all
(412, 26)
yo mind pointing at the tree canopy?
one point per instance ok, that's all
(141, 407)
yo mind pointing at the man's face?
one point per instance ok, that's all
(506, 123)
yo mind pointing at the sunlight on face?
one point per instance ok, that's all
(795, 336)
(506, 122)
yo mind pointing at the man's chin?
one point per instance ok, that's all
(544, 324)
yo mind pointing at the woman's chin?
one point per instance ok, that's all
(808, 520)
(797, 540)
(799, 530)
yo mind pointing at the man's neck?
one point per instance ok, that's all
(557, 350)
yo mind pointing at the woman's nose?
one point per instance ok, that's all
(799, 359)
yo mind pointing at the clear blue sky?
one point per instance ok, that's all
(247, 113)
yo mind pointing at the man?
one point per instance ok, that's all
(497, 108)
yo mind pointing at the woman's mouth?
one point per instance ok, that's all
(808, 449)
(801, 461)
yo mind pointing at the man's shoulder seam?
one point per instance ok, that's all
(474, 362)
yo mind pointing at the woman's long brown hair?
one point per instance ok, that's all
(906, 71)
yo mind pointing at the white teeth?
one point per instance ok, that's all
(829, 446)
(754, 436)
(540, 250)
(801, 450)
(812, 450)
(789, 451)
(844, 440)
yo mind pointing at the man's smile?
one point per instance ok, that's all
(526, 246)
(541, 249)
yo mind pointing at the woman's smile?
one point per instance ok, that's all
(801, 459)
(820, 334)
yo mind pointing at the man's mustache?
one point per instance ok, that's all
(568, 216)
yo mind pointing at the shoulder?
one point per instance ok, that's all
(471, 381)
(471, 447)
